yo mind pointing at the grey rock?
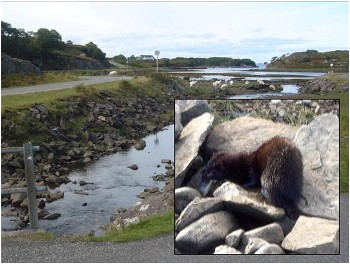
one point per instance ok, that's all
(187, 147)
(253, 244)
(206, 233)
(270, 249)
(183, 196)
(233, 239)
(319, 145)
(197, 209)
(140, 145)
(248, 203)
(224, 249)
(191, 109)
(245, 134)
(133, 167)
(313, 235)
(271, 233)
(178, 125)
(53, 216)
(13, 65)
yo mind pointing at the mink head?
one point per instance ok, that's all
(213, 170)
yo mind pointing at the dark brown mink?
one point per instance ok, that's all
(276, 166)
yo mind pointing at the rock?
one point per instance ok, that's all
(154, 190)
(270, 249)
(206, 233)
(121, 210)
(247, 202)
(14, 65)
(17, 198)
(233, 239)
(319, 145)
(53, 216)
(253, 244)
(191, 109)
(133, 167)
(53, 196)
(197, 209)
(80, 192)
(140, 145)
(183, 196)
(271, 233)
(178, 125)
(312, 235)
(130, 221)
(42, 213)
(168, 161)
(245, 134)
(187, 147)
(224, 249)
(84, 204)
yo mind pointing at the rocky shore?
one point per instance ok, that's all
(236, 220)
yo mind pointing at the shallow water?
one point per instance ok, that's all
(287, 89)
(114, 186)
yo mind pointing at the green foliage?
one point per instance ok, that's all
(203, 62)
(94, 52)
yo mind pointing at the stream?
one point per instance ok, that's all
(113, 185)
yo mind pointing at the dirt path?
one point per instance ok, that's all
(85, 80)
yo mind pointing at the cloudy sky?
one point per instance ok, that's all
(255, 30)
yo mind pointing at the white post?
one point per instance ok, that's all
(157, 52)
(31, 193)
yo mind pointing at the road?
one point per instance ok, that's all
(86, 80)
(160, 249)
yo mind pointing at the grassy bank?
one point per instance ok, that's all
(21, 79)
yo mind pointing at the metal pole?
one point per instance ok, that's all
(29, 170)
(157, 63)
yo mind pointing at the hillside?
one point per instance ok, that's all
(312, 59)
(46, 50)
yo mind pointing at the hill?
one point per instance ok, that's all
(312, 59)
(46, 50)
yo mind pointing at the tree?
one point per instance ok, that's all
(120, 57)
(48, 40)
(94, 52)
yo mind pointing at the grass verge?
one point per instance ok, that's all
(149, 227)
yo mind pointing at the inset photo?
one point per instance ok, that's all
(257, 176)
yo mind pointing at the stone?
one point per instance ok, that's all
(17, 198)
(197, 209)
(191, 109)
(224, 249)
(270, 249)
(53, 216)
(140, 145)
(168, 161)
(133, 167)
(313, 235)
(271, 233)
(80, 192)
(245, 134)
(247, 202)
(206, 233)
(233, 239)
(53, 196)
(154, 190)
(178, 125)
(319, 145)
(186, 149)
(183, 196)
(253, 244)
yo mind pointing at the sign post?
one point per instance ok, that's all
(157, 52)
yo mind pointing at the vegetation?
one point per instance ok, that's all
(181, 62)
(312, 59)
(44, 46)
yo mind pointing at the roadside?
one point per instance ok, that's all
(83, 80)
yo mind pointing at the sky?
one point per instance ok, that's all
(254, 30)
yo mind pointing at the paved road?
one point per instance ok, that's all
(160, 249)
(86, 80)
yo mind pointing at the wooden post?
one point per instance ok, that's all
(29, 170)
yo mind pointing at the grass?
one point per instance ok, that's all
(20, 79)
(149, 227)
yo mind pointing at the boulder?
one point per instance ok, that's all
(18, 198)
(319, 145)
(178, 125)
(133, 167)
(233, 239)
(14, 65)
(187, 147)
(52, 216)
(270, 249)
(247, 202)
(245, 134)
(271, 233)
(191, 109)
(224, 249)
(140, 145)
(206, 233)
(313, 235)
(183, 196)
(197, 209)
(253, 244)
